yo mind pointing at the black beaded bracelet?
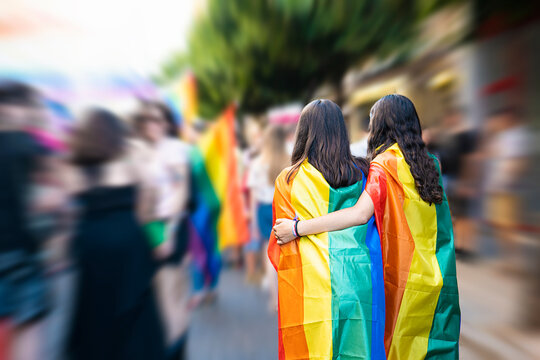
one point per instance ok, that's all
(296, 228)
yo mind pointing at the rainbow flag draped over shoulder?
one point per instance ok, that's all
(218, 149)
(331, 296)
(202, 225)
(422, 304)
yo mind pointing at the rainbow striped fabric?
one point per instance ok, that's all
(422, 303)
(331, 296)
(218, 149)
(202, 225)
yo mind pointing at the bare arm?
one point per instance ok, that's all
(180, 196)
(358, 214)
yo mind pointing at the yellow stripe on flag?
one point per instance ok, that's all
(421, 293)
(315, 262)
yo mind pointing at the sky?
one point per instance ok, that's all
(86, 37)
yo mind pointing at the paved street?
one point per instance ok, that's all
(238, 326)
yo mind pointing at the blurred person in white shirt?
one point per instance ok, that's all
(168, 171)
(262, 173)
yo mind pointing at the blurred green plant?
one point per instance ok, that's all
(267, 52)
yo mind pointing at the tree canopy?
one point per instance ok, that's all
(267, 52)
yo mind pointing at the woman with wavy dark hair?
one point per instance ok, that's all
(404, 192)
(330, 286)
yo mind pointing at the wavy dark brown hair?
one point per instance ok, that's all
(394, 120)
(322, 139)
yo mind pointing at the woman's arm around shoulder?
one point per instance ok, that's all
(358, 214)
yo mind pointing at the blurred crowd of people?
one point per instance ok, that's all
(487, 174)
(491, 180)
(108, 206)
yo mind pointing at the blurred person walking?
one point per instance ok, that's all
(455, 145)
(508, 154)
(360, 147)
(168, 170)
(262, 173)
(404, 192)
(23, 287)
(331, 295)
(115, 315)
(254, 136)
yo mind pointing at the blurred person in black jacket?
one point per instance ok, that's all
(115, 316)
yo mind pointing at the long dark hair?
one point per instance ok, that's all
(322, 138)
(394, 120)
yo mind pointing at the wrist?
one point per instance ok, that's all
(294, 228)
(297, 228)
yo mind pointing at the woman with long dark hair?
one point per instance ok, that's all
(331, 297)
(404, 192)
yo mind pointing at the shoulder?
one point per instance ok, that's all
(281, 180)
(383, 159)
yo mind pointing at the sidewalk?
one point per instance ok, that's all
(238, 326)
(491, 308)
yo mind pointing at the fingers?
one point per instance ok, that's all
(278, 239)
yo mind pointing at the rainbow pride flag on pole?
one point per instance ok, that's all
(422, 302)
(204, 211)
(331, 296)
(187, 90)
(218, 149)
(181, 97)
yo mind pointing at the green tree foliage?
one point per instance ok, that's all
(260, 53)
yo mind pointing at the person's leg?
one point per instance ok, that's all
(251, 265)
(28, 341)
(270, 280)
(172, 290)
(5, 337)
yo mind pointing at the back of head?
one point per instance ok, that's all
(322, 139)
(149, 107)
(14, 97)
(16, 93)
(394, 120)
(100, 138)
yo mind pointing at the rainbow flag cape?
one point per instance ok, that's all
(331, 296)
(422, 303)
(202, 225)
(218, 149)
